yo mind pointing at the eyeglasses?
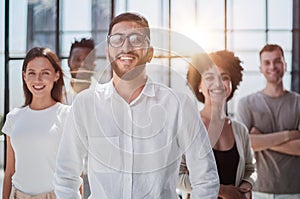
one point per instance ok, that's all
(135, 39)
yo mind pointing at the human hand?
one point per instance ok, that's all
(293, 134)
(246, 189)
(232, 192)
(255, 130)
(248, 195)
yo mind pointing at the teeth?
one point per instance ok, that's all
(126, 58)
(38, 87)
(216, 91)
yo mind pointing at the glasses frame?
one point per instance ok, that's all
(126, 36)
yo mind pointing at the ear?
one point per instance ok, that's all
(24, 76)
(57, 76)
(200, 87)
(285, 66)
(260, 69)
(107, 54)
(150, 54)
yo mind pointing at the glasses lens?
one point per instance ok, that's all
(136, 40)
(116, 40)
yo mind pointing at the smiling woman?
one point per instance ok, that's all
(214, 78)
(33, 131)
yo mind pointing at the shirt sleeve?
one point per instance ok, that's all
(200, 160)
(69, 162)
(250, 174)
(8, 125)
(184, 182)
(243, 113)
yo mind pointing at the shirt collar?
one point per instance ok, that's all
(148, 90)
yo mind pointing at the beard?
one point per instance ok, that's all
(136, 71)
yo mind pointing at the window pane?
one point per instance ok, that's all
(210, 14)
(101, 15)
(1, 84)
(68, 38)
(198, 22)
(17, 28)
(249, 80)
(16, 95)
(152, 10)
(2, 59)
(179, 68)
(41, 24)
(250, 60)
(246, 40)
(288, 60)
(74, 21)
(283, 38)
(280, 14)
(241, 14)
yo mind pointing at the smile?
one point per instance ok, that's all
(126, 58)
(217, 91)
(38, 87)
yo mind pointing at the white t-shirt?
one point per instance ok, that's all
(35, 137)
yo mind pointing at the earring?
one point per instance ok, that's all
(200, 91)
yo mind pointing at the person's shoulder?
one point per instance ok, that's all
(88, 96)
(240, 127)
(17, 111)
(293, 94)
(250, 98)
(238, 124)
(63, 107)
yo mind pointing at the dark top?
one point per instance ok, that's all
(227, 163)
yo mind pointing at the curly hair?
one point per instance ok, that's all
(83, 43)
(223, 59)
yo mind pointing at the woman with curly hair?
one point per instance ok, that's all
(214, 78)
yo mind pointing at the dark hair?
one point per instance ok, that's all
(223, 59)
(56, 92)
(83, 43)
(270, 48)
(128, 16)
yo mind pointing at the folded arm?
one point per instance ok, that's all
(291, 147)
(282, 141)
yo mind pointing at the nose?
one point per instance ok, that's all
(219, 82)
(38, 77)
(127, 46)
(272, 65)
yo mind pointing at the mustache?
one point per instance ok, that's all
(126, 53)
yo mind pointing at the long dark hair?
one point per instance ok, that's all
(56, 92)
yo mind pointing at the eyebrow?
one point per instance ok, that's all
(45, 69)
(225, 73)
(209, 73)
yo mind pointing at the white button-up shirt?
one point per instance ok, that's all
(134, 150)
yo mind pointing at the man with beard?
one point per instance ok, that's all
(273, 119)
(133, 130)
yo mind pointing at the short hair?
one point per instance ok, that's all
(270, 48)
(83, 43)
(56, 92)
(223, 59)
(129, 16)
